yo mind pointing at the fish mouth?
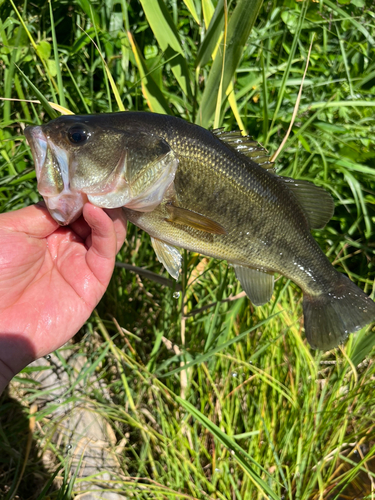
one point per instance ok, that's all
(52, 173)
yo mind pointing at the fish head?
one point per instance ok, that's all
(111, 164)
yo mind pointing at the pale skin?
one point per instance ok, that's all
(51, 279)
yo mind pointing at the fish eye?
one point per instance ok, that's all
(78, 134)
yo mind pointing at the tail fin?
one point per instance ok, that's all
(330, 317)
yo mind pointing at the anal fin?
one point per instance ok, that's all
(258, 285)
(169, 256)
(193, 219)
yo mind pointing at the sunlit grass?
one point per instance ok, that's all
(207, 396)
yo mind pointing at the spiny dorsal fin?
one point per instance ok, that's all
(316, 202)
(245, 145)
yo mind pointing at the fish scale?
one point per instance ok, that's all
(258, 200)
(252, 235)
(209, 192)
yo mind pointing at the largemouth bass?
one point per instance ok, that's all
(209, 192)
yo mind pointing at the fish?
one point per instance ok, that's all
(212, 192)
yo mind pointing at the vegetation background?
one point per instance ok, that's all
(209, 397)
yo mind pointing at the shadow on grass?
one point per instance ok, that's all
(15, 482)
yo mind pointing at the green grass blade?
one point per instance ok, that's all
(220, 90)
(345, 61)
(239, 27)
(236, 451)
(204, 357)
(25, 27)
(152, 93)
(78, 90)
(57, 60)
(21, 95)
(364, 342)
(168, 38)
(191, 8)
(370, 76)
(287, 70)
(106, 72)
(212, 36)
(352, 20)
(208, 11)
(46, 105)
(35, 46)
(356, 189)
(43, 493)
(108, 77)
(9, 74)
(215, 316)
(86, 6)
(340, 104)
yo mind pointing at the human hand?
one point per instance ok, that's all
(51, 279)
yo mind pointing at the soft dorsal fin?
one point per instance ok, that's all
(316, 202)
(258, 285)
(245, 145)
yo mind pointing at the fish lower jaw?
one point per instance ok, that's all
(65, 208)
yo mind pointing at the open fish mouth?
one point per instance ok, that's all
(52, 173)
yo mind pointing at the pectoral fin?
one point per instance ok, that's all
(257, 284)
(187, 217)
(169, 256)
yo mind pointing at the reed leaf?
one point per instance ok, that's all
(151, 92)
(212, 36)
(239, 28)
(193, 11)
(57, 60)
(168, 38)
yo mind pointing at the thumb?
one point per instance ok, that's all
(102, 252)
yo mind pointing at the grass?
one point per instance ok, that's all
(207, 396)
